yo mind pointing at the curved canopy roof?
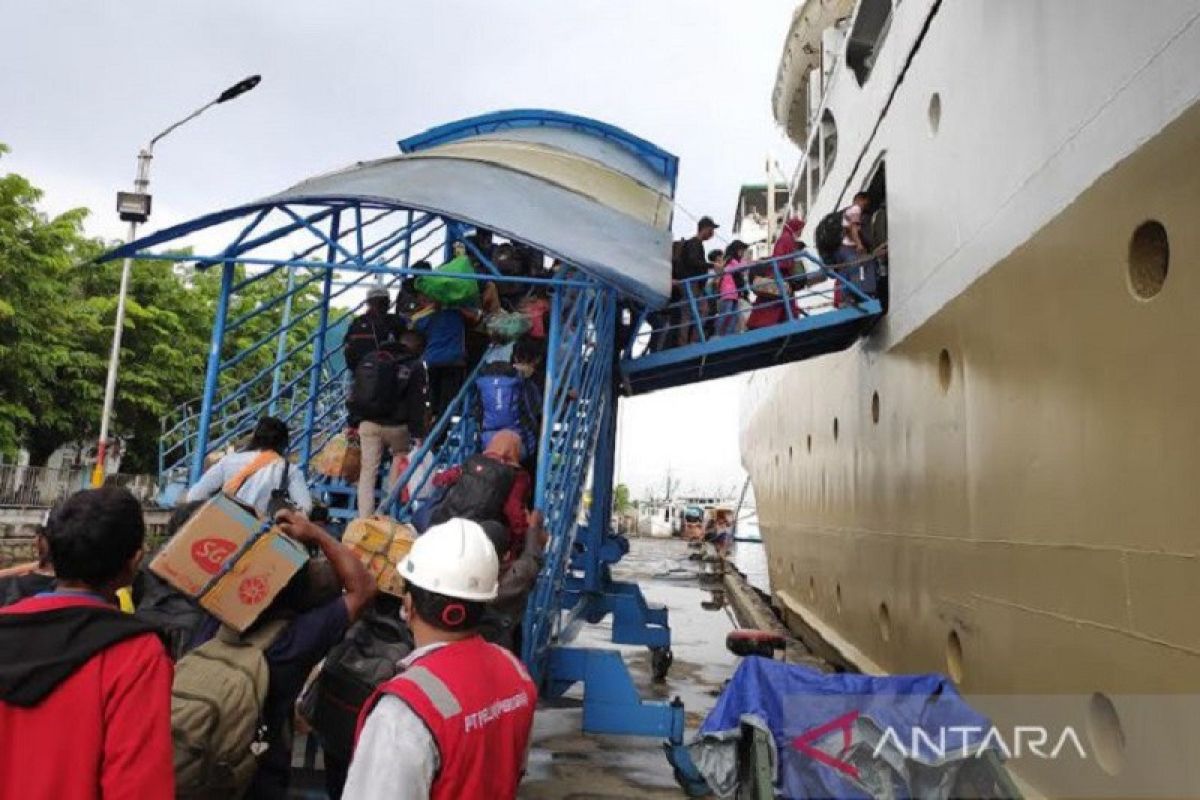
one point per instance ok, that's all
(580, 190)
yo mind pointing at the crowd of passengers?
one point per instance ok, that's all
(412, 697)
(732, 294)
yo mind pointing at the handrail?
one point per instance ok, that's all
(790, 290)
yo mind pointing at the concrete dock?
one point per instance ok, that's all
(566, 763)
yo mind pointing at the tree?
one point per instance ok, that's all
(621, 498)
(42, 369)
(57, 310)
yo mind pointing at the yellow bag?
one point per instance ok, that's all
(381, 544)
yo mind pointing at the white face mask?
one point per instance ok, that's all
(526, 370)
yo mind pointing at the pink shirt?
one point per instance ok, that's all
(728, 284)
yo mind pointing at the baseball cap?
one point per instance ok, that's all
(707, 222)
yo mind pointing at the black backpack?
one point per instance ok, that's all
(168, 609)
(677, 259)
(830, 234)
(369, 655)
(480, 492)
(377, 389)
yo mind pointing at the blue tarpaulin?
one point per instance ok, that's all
(842, 735)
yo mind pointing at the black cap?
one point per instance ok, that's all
(707, 222)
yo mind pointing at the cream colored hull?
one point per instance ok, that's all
(1025, 511)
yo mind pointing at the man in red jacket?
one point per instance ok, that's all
(85, 691)
(455, 723)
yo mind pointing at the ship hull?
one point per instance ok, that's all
(1006, 493)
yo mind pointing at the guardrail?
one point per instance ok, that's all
(23, 486)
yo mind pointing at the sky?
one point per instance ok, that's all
(83, 85)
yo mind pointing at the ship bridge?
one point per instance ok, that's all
(596, 199)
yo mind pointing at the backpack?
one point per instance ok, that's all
(500, 397)
(217, 700)
(829, 234)
(168, 609)
(369, 655)
(480, 492)
(677, 259)
(376, 390)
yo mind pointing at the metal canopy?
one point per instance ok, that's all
(582, 191)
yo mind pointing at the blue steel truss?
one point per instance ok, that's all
(599, 347)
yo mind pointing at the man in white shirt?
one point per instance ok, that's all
(455, 723)
(252, 475)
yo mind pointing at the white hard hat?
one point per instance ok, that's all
(378, 292)
(455, 559)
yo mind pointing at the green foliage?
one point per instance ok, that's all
(621, 498)
(57, 312)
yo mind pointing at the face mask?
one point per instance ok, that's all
(526, 370)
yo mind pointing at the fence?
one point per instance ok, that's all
(42, 487)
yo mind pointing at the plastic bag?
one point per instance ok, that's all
(508, 326)
(451, 292)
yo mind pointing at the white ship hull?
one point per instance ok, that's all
(998, 483)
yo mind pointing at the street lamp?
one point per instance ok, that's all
(134, 208)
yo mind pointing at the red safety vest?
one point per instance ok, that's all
(477, 700)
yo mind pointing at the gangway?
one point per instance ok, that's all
(598, 201)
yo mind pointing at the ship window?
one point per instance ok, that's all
(935, 112)
(1105, 733)
(945, 370)
(1149, 257)
(885, 622)
(866, 38)
(809, 443)
(829, 140)
(835, 428)
(954, 657)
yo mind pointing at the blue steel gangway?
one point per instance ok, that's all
(598, 201)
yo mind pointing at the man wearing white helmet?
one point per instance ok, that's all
(455, 723)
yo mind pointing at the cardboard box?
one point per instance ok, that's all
(241, 594)
(381, 544)
(208, 559)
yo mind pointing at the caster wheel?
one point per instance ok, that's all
(661, 659)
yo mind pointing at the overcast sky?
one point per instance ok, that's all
(84, 84)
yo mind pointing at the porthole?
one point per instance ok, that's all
(812, 587)
(1149, 257)
(885, 622)
(945, 370)
(1105, 734)
(789, 452)
(935, 113)
(837, 597)
(808, 443)
(875, 408)
(954, 657)
(835, 428)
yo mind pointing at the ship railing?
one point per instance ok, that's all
(780, 287)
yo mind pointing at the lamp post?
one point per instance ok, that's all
(134, 208)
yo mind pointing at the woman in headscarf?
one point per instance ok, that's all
(477, 495)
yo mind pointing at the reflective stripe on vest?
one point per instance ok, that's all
(438, 693)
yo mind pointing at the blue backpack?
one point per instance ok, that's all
(501, 397)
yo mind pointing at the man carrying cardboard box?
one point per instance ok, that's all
(316, 624)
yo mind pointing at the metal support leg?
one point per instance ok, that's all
(212, 372)
(314, 385)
